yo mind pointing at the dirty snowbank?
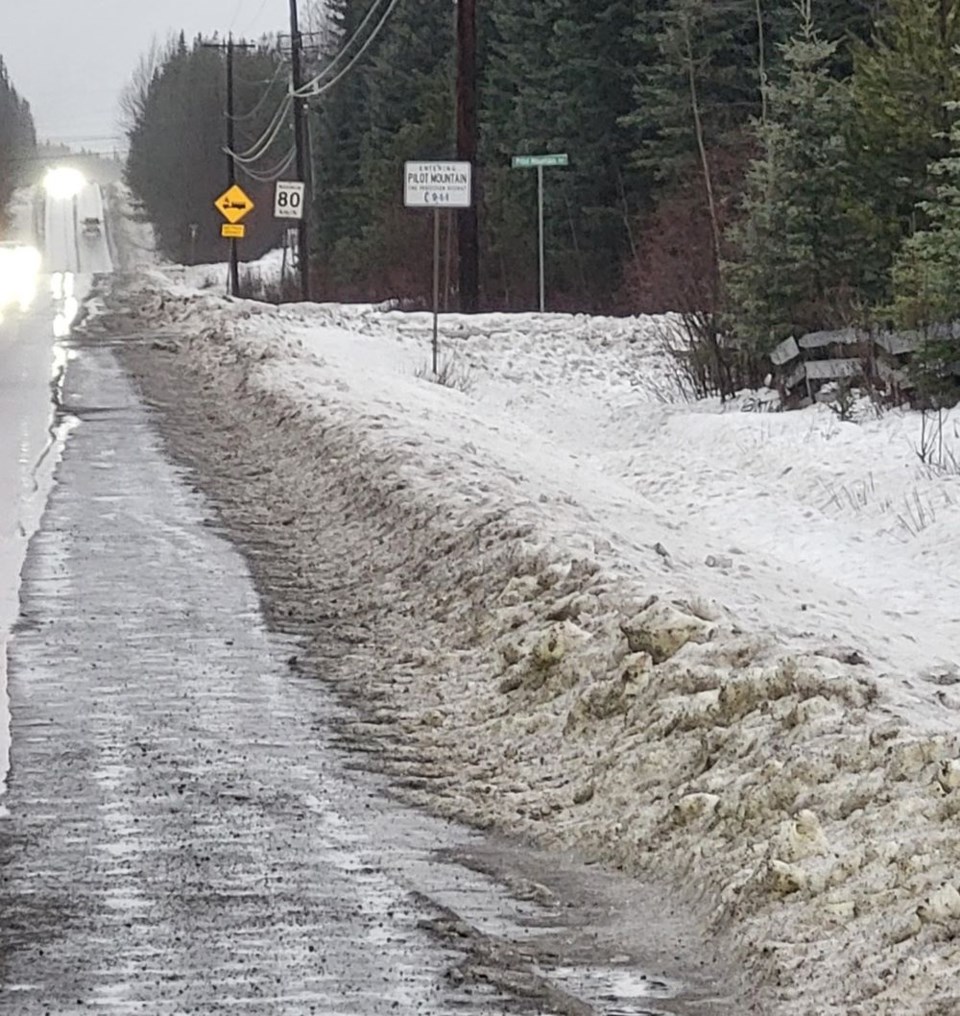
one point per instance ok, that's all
(513, 639)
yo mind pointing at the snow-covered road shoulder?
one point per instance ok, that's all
(584, 631)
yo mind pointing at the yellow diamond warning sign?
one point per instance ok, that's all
(233, 204)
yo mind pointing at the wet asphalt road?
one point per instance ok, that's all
(180, 840)
(183, 836)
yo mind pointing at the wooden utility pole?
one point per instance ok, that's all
(300, 140)
(232, 165)
(469, 233)
(230, 46)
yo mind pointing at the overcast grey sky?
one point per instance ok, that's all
(70, 60)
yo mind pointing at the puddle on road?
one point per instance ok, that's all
(612, 985)
(615, 992)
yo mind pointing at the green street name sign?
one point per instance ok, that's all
(532, 161)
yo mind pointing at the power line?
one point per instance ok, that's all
(263, 98)
(270, 175)
(262, 145)
(313, 88)
(256, 16)
(236, 14)
(357, 32)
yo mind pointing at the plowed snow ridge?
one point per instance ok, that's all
(715, 646)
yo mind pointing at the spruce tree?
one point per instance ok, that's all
(395, 104)
(926, 271)
(901, 83)
(177, 165)
(558, 78)
(17, 139)
(926, 284)
(794, 257)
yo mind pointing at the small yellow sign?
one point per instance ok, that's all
(234, 204)
(232, 231)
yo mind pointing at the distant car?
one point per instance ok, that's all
(91, 226)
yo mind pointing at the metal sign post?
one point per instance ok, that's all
(540, 254)
(436, 288)
(437, 185)
(538, 162)
(234, 205)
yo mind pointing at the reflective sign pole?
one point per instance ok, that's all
(540, 234)
(436, 286)
(437, 185)
(538, 162)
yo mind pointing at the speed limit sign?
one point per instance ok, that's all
(288, 200)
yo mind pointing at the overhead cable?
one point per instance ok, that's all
(260, 147)
(268, 176)
(281, 66)
(256, 17)
(313, 88)
(344, 49)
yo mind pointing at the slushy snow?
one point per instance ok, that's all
(704, 644)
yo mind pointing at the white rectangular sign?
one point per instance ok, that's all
(437, 184)
(288, 200)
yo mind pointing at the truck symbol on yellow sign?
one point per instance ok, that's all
(233, 204)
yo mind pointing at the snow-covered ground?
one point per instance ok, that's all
(714, 645)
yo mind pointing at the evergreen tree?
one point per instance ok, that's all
(926, 271)
(339, 124)
(18, 140)
(701, 83)
(794, 265)
(850, 23)
(558, 78)
(926, 284)
(515, 88)
(396, 104)
(902, 80)
(651, 99)
(701, 73)
(177, 165)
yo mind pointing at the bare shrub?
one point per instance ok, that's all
(450, 374)
(930, 446)
(253, 286)
(675, 270)
(844, 401)
(937, 447)
(916, 514)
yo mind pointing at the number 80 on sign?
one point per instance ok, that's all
(288, 200)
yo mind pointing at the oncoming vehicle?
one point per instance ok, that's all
(88, 209)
